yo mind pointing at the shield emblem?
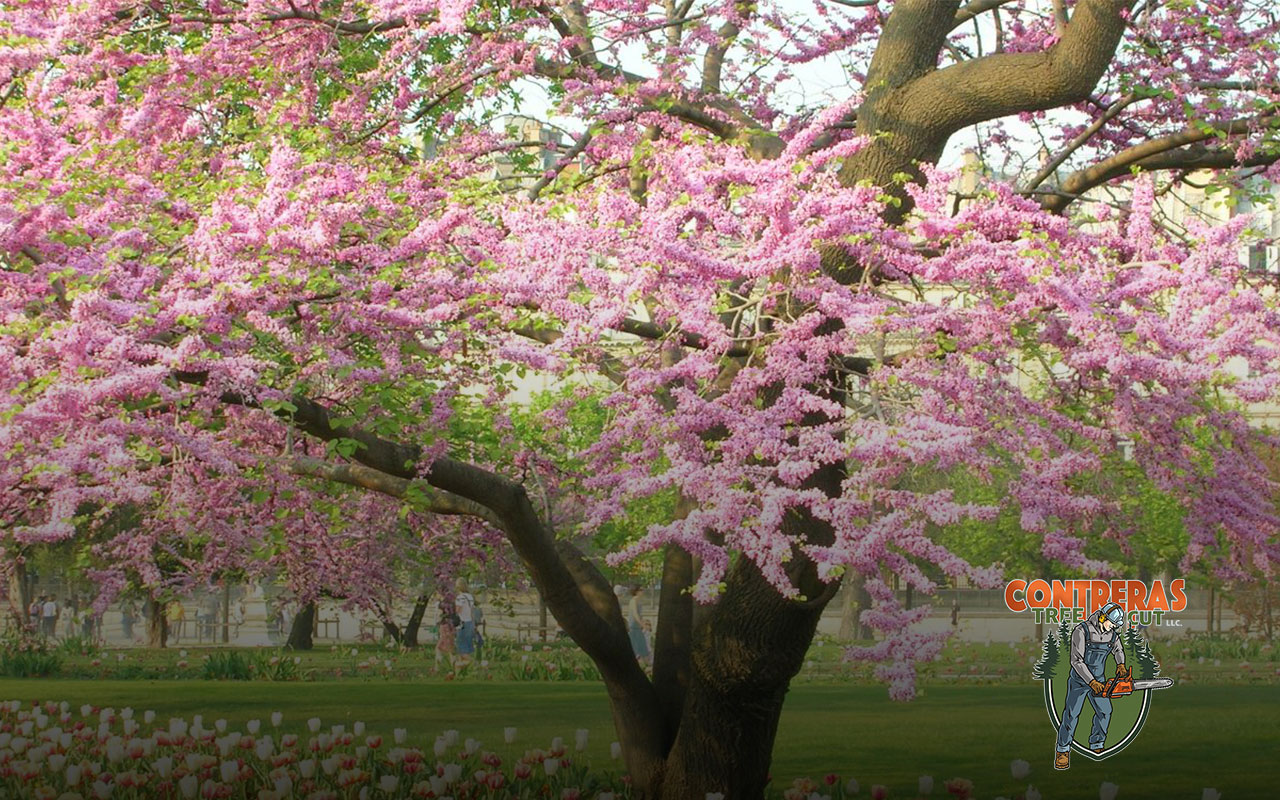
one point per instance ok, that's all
(1128, 712)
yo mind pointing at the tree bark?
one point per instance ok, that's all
(302, 628)
(854, 601)
(744, 657)
(157, 623)
(414, 625)
(19, 597)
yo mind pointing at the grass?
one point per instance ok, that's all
(1196, 736)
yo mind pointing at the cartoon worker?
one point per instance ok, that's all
(1091, 641)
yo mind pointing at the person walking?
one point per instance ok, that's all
(465, 640)
(128, 616)
(637, 626)
(33, 613)
(177, 620)
(1091, 642)
(446, 646)
(49, 616)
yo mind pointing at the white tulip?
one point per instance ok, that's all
(56, 762)
(615, 750)
(102, 790)
(188, 786)
(557, 743)
(509, 735)
(551, 765)
(329, 765)
(228, 770)
(440, 747)
(471, 745)
(851, 786)
(307, 768)
(276, 719)
(358, 729)
(72, 775)
(388, 783)
(313, 724)
(253, 726)
(399, 735)
(925, 784)
(1107, 791)
(1019, 769)
(451, 738)
(163, 767)
(580, 739)
(148, 717)
(1210, 794)
(1033, 793)
(452, 772)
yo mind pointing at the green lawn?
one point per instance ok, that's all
(1221, 736)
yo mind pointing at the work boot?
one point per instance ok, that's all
(1062, 760)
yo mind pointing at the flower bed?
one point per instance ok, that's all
(49, 751)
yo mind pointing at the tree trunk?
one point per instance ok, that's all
(19, 597)
(855, 601)
(300, 632)
(414, 626)
(744, 657)
(1209, 624)
(157, 623)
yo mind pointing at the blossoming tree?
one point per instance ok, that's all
(231, 280)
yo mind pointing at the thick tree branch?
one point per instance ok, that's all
(1079, 141)
(1158, 153)
(713, 61)
(359, 475)
(570, 589)
(1000, 84)
(975, 8)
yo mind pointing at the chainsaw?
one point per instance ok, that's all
(1123, 683)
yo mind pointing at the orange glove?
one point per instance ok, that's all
(1098, 687)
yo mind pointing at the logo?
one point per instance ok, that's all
(1096, 667)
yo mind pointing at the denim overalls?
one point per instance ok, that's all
(1095, 658)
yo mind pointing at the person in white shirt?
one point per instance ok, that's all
(49, 615)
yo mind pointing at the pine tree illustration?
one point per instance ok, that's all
(1050, 655)
(1056, 642)
(1143, 660)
